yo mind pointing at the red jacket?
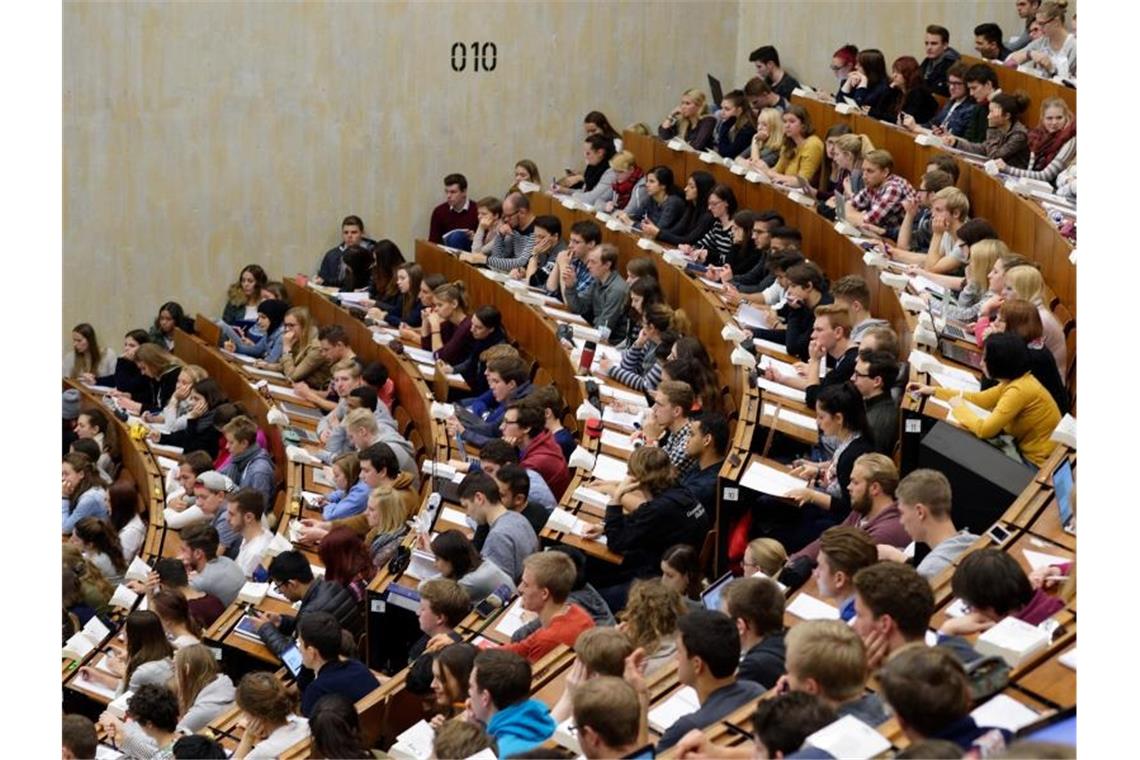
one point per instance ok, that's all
(562, 629)
(544, 456)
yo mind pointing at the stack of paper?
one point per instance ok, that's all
(1037, 560)
(781, 367)
(567, 522)
(765, 479)
(792, 417)
(782, 390)
(590, 496)
(807, 607)
(454, 516)
(750, 316)
(278, 544)
(609, 468)
(1003, 711)
(253, 593)
(616, 440)
(124, 598)
(623, 420)
(1013, 640)
(422, 567)
(564, 316)
(677, 706)
(92, 636)
(514, 618)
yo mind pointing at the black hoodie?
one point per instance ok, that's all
(672, 517)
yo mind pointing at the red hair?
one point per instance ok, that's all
(907, 66)
(847, 54)
(345, 557)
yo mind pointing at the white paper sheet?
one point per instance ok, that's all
(807, 607)
(609, 468)
(782, 390)
(766, 479)
(1004, 712)
(678, 705)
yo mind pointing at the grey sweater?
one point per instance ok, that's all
(602, 305)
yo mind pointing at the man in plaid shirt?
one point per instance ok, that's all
(880, 202)
(584, 237)
(673, 400)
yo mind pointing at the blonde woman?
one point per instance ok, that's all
(1054, 53)
(690, 120)
(174, 415)
(387, 523)
(769, 138)
(1052, 143)
(1025, 282)
(301, 357)
(764, 555)
(849, 151)
(975, 285)
(650, 621)
(161, 369)
(85, 357)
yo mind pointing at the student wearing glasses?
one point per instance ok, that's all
(956, 115)
(1054, 53)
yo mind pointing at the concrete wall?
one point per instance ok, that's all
(199, 137)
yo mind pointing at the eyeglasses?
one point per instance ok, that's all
(510, 422)
(952, 83)
(833, 67)
(861, 374)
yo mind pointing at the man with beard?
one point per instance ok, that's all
(874, 478)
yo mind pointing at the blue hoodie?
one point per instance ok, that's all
(521, 727)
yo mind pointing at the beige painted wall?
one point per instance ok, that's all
(199, 137)
(806, 32)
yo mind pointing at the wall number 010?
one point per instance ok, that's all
(484, 56)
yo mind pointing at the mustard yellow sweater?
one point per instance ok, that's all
(1022, 408)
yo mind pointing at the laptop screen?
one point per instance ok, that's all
(1063, 490)
(710, 597)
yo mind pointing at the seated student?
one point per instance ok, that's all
(547, 580)
(90, 449)
(648, 512)
(843, 62)
(916, 228)
(994, 586)
(975, 283)
(756, 606)
(650, 621)
(406, 307)
(153, 725)
(473, 369)
(171, 316)
(508, 380)
(331, 270)
(1054, 53)
(497, 453)
(1021, 318)
(99, 542)
(292, 575)
(125, 377)
(767, 61)
(761, 96)
(744, 254)
(690, 121)
(716, 244)
(427, 301)
(924, 511)
(1052, 144)
(607, 713)
(335, 728)
(244, 509)
(443, 605)
(301, 358)
(769, 138)
(457, 212)
(879, 203)
(1024, 281)
(671, 426)
(327, 672)
(831, 354)
(910, 92)
(347, 559)
(83, 494)
(661, 203)
(200, 433)
(351, 494)
(516, 236)
(123, 503)
(514, 486)
(929, 691)
(759, 284)
(243, 296)
(90, 589)
(1019, 405)
(597, 125)
(267, 708)
(826, 501)
(267, 344)
(846, 153)
(828, 659)
(598, 179)
(765, 556)
(380, 279)
(457, 559)
(874, 479)
(210, 489)
(806, 289)
(585, 235)
(336, 352)
(708, 650)
(869, 86)
(939, 58)
(697, 218)
(250, 465)
(641, 362)
(553, 406)
(1006, 137)
(843, 551)
(736, 125)
(79, 737)
(989, 43)
(780, 726)
(548, 243)
(802, 153)
(511, 538)
(881, 338)
(946, 253)
(525, 171)
(486, 235)
(875, 374)
(602, 303)
(458, 738)
(852, 292)
(147, 658)
(367, 422)
(209, 572)
(174, 415)
(85, 358)
(170, 573)
(681, 571)
(446, 330)
(173, 610)
(692, 366)
(957, 114)
(500, 690)
(982, 84)
(160, 368)
(628, 178)
(708, 446)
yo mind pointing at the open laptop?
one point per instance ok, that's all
(715, 90)
(710, 597)
(1063, 492)
(951, 350)
(1058, 728)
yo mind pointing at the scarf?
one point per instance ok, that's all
(1044, 145)
(624, 188)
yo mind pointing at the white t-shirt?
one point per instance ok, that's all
(131, 537)
(295, 729)
(249, 555)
